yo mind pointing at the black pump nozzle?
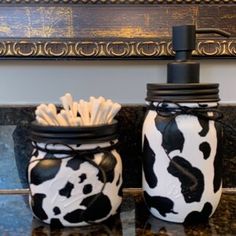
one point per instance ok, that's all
(213, 31)
(184, 42)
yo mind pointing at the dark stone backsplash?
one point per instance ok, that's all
(130, 129)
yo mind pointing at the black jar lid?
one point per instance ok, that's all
(187, 93)
(73, 135)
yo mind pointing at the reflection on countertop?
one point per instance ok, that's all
(134, 219)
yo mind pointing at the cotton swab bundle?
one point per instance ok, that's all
(100, 111)
(96, 111)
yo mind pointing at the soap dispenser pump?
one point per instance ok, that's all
(183, 73)
(181, 139)
(183, 69)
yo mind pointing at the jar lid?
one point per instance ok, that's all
(73, 135)
(192, 92)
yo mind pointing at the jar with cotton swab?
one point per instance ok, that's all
(75, 171)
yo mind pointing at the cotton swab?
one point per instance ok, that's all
(44, 116)
(69, 99)
(65, 103)
(116, 107)
(96, 111)
(41, 120)
(61, 120)
(109, 105)
(75, 109)
(83, 109)
(65, 117)
(94, 107)
(53, 117)
(52, 108)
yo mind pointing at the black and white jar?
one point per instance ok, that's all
(182, 151)
(74, 174)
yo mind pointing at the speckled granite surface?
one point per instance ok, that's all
(134, 219)
(15, 146)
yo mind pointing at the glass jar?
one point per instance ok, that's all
(74, 174)
(182, 152)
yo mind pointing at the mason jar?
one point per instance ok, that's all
(74, 174)
(182, 151)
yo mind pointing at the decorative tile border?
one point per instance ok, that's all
(110, 49)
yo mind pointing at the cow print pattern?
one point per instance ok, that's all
(97, 210)
(87, 189)
(205, 127)
(148, 161)
(108, 164)
(217, 182)
(49, 168)
(181, 166)
(37, 205)
(191, 178)
(67, 191)
(82, 178)
(202, 216)
(205, 148)
(56, 210)
(171, 140)
(162, 204)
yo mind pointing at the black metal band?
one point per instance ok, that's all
(71, 152)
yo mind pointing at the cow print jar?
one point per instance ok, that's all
(75, 174)
(182, 160)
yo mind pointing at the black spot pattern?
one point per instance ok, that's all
(82, 178)
(173, 138)
(44, 170)
(56, 223)
(218, 159)
(66, 190)
(205, 127)
(75, 216)
(191, 178)
(97, 210)
(56, 210)
(205, 149)
(37, 206)
(74, 163)
(162, 204)
(148, 164)
(197, 217)
(87, 189)
(107, 164)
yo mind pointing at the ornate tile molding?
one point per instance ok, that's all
(113, 49)
(117, 29)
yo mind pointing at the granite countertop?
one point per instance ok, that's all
(134, 219)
